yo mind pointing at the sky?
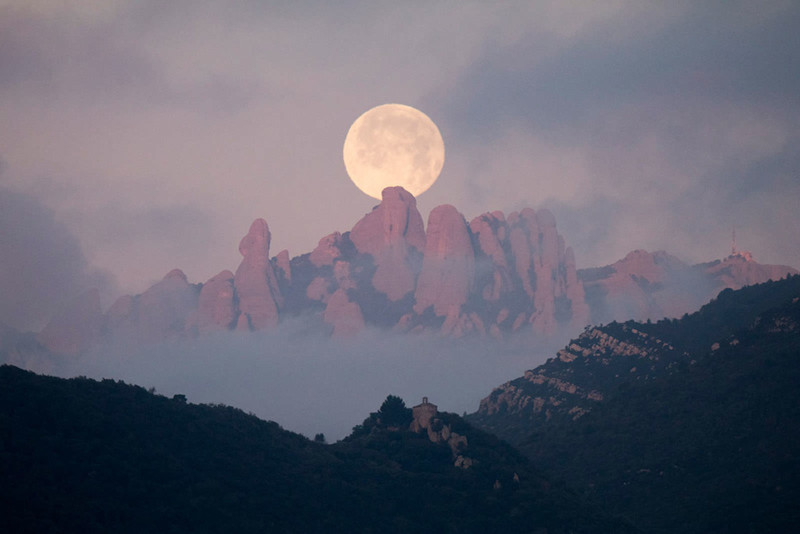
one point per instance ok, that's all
(141, 136)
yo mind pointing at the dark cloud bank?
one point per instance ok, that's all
(42, 265)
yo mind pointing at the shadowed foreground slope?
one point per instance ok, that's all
(85, 456)
(688, 425)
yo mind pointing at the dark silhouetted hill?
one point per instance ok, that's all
(85, 456)
(689, 425)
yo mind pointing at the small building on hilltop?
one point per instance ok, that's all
(425, 420)
(423, 414)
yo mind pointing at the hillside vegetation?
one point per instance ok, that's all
(689, 425)
(85, 456)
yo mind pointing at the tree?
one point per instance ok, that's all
(393, 412)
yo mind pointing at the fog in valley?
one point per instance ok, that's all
(310, 383)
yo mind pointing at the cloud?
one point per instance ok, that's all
(42, 266)
(127, 232)
(652, 128)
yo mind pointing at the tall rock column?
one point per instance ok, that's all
(546, 270)
(255, 281)
(547, 260)
(523, 236)
(392, 234)
(216, 309)
(448, 267)
(491, 232)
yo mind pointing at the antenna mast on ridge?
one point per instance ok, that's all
(733, 241)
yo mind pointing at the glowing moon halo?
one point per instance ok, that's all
(392, 145)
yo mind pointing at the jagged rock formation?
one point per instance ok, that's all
(448, 266)
(525, 274)
(159, 313)
(328, 249)
(255, 281)
(394, 236)
(216, 308)
(283, 266)
(490, 233)
(492, 277)
(580, 375)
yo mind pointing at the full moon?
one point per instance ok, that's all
(393, 145)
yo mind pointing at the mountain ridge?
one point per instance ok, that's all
(602, 358)
(492, 276)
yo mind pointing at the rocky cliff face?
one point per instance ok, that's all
(706, 402)
(492, 277)
(579, 376)
(255, 281)
(344, 315)
(448, 266)
(216, 308)
(394, 236)
(159, 313)
(599, 363)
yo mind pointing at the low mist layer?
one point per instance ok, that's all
(309, 383)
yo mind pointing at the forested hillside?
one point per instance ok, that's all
(84, 456)
(690, 425)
